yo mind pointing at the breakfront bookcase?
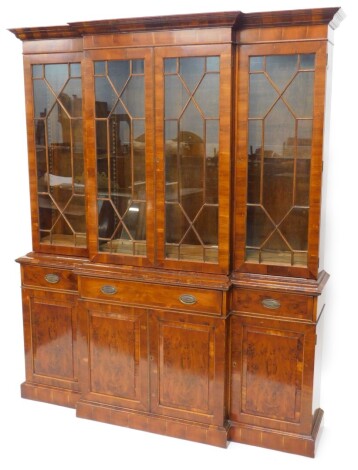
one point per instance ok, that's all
(175, 283)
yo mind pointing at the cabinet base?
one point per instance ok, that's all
(278, 440)
(181, 429)
(53, 395)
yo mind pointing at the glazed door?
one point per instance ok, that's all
(119, 120)
(279, 154)
(56, 158)
(193, 106)
(272, 366)
(114, 366)
(187, 355)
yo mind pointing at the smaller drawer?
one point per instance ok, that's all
(152, 295)
(50, 278)
(273, 303)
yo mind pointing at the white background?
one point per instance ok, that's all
(40, 436)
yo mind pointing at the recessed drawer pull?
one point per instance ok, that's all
(52, 278)
(109, 290)
(187, 299)
(271, 303)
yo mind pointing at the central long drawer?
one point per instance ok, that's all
(208, 301)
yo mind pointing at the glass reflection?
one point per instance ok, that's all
(279, 154)
(191, 130)
(120, 150)
(57, 91)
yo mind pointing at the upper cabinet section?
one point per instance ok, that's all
(190, 142)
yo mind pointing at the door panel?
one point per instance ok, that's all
(50, 330)
(114, 355)
(187, 355)
(120, 132)
(193, 156)
(272, 373)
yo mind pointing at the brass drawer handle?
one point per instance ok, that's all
(187, 299)
(109, 290)
(271, 303)
(52, 278)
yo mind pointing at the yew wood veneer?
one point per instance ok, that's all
(176, 282)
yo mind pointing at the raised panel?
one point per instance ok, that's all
(185, 366)
(271, 373)
(187, 359)
(115, 358)
(50, 337)
(52, 340)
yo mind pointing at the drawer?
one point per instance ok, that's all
(49, 278)
(272, 303)
(152, 295)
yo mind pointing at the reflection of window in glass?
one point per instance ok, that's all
(120, 149)
(57, 92)
(279, 154)
(191, 129)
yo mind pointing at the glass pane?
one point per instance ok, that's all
(278, 179)
(75, 70)
(211, 162)
(134, 220)
(279, 132)
(259, 226)
(44, 98)
(191, 70)
(262, 96)
(71, 97)
(48, 212)
(257, 64)
(207, 97)
(304, 138)
(206, 225)
(106, 97)
(138, 66)
(170, 65)
(281, 68)
(171, 161)
(59, 154)
(176, 97)
(118, 72)
(213, 64)
(307, 61)
(191, 137)
(133, 96)
(295, 228)
(75, 214)
(37, 71)
(303, 170)
(299, 94)
(120, 148)
(276, 243)
(100, 68)
(176, 223)
(254, 161)
(56, 75)
(191, 157)
(42, 172)
(139, 189)
(277, 225)
(58, 127)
